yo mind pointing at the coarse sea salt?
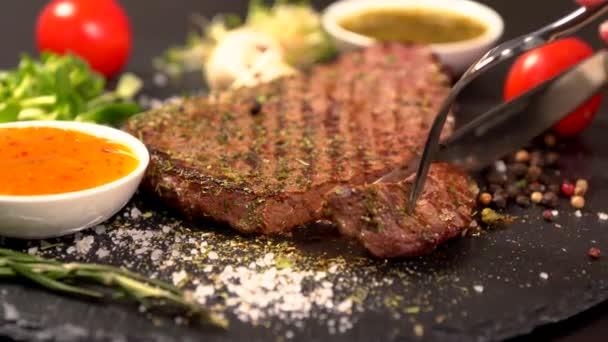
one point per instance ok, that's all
(260, 290)
(100, 229)
(254, 290)
(135, 213)
(500, 166)
(83, 246)
(179, 277)
(160, 79)
(10, 312)
(102, 253)
(212, 255)
(156, 254)
(602, 216)
(203, 292)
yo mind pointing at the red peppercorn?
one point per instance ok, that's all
(568, 189)
(594, 252)
(548, 215)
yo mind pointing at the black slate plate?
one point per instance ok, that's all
(508, 263)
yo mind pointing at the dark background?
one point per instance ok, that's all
(158, 24)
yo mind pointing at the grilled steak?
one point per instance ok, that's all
(261, 159)
(375, 214)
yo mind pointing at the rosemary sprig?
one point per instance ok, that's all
(76, 279)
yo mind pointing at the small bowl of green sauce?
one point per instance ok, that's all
(459, 31)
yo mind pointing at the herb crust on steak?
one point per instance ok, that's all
(262, 159)
(376, 215)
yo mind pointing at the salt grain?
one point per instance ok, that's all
(261, 290)
(602, 216)
(10, 312)
(102, 253)
(212, 255)
(140, 251)
(500, 166)
(32, 250)
(203, 292)
(543, 275)
(345, 306)
(156, 254)
(253, 290)
(160, 79)
(83, 246)
(289, 334)
(135, 213)
(101, 229)
(179, 277)
(478, 288)
(578, 213)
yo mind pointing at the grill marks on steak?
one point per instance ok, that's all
(262, 158)
(375, 214)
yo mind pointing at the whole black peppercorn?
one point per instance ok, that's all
(522, 200)
(256, 107)
(546, 179)
(551, 158)
(495, 188)
(550, 199)
(534, 173)
(499, 200)
(536, 187)
(518, 169)
(536, 158)
(495, 177)
(513, 190)
(554, 187)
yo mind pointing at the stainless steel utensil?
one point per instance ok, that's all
(512, 125)
(501, 53)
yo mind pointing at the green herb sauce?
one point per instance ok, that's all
(418, 25)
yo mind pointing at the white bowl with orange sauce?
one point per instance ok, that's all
(59, 177)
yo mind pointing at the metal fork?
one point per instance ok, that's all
(560, 28)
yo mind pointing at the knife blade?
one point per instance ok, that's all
(514, 124)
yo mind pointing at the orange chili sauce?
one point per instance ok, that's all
(47, 160)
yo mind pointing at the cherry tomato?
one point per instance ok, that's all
(541, 64)
(96, 30)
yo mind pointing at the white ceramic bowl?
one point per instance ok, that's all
(458, 56)
(44, 216)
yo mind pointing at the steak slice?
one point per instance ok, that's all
(261, 159)
(375, 214)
